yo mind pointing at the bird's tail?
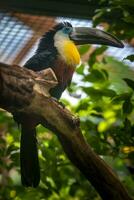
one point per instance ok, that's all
(30, 170)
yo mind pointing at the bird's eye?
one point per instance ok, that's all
(67, 30)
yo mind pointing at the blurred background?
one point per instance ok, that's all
(101, 94)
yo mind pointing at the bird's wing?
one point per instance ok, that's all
(40, 61)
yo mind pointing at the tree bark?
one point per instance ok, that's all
(24, 91)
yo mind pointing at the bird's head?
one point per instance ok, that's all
(67, 37)
(85, 35)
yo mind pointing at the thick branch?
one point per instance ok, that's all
(22, 90)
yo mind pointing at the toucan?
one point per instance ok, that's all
(57, 49)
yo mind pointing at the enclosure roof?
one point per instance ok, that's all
(70, 8)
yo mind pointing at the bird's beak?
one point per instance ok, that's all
(83, 35)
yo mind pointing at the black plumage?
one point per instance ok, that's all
(45, 56)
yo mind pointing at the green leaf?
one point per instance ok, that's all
(129, 82)
(121, 97)
(98, 92)
(83, 49)
(98, 51)
(109, 93)
(80, 69)
(130, 58)
(129, 19)
(95, 76)
(117, 72)
(127, 107)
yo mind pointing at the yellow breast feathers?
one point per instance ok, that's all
(67, 50)
(70, 53)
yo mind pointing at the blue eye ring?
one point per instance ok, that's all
(67, 30)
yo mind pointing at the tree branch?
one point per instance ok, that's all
(24, 91)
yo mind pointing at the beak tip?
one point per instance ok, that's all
(120, 45)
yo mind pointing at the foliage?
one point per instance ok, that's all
(119, 16)
(58, 180)
(106, 110)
